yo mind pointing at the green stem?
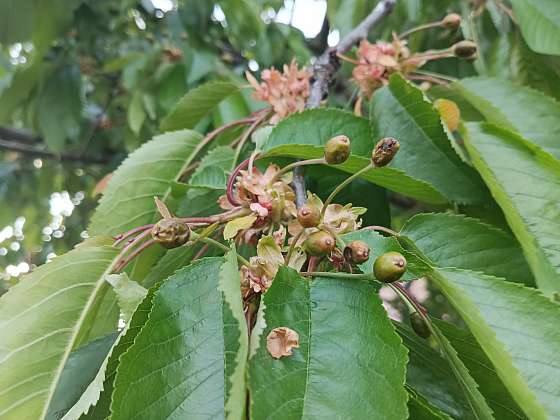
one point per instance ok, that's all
(287, 168)
(337, 275)
(217, 244)
(420, 28)
(293, 246)
(343, 184)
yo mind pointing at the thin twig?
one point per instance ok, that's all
(324, 68)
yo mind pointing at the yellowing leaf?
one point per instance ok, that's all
(235, 225)
(449, 112)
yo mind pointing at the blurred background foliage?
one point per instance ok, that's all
(83, 83)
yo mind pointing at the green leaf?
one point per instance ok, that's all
(96, 399)
(128, 200)
(433, 378)
(79, 371)
(525, 182)
(303, 136)
(129, 293)
(346, 15)
(540, 24)
(450, 240)
(196, 104)
(136, 114)
(189, 356)
(345, 338)
(517, 329)
(529, 112)
(477, 403)
(420, 409)
(401, 110)
(482, 370)
(17, 20)
(59, 107)
(42, 319)
(235, 225)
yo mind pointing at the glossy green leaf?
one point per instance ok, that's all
(540, 24)
(136, 114)
(303, 136)
(517, 329)
(529, 112)
(128, 200)
(345, 338)
(42, 319)
(189, 356)
(80, 369)
(433, 378)
(525, 182)
(196, 104)
(450, 240)
(482, 370)
(401, 110)
(420, 409)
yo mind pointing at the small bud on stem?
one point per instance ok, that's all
(419, 325)
(319, 243)
(389, 267)
(356, 252)
(309, 216)
(464, 49)
(337, 150)
(451, 21)
(384, 151)
(171, 232)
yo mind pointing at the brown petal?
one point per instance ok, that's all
(280, 342)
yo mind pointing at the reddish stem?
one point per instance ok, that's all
(123, 263)
(231, 182)
(382, 229)
(416, 304)
(222, 217)
(119, 238)
(135, 241)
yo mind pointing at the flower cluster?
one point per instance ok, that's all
(376, 62)
(285, 91)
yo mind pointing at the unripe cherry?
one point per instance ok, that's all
(337, 150)
(319, 243)
(389, 267)
(419, 325)
(309, 216)
(171, 232)
(356, 252)
(464, 49)
(384, 151)
(451, 21)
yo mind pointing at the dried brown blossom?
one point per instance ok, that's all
(280, 342)
(285, 91)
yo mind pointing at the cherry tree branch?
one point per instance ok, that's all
(325, 67)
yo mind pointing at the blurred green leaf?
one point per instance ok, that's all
(196, 104)
(540, 24)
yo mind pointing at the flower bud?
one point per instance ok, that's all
(384, 151)
(319, 243)
(356, 252)
(464, 49)
(419, 325)
(171, 232)
(451, 21)
(309, 216)
(389, 267)
(337, 150)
